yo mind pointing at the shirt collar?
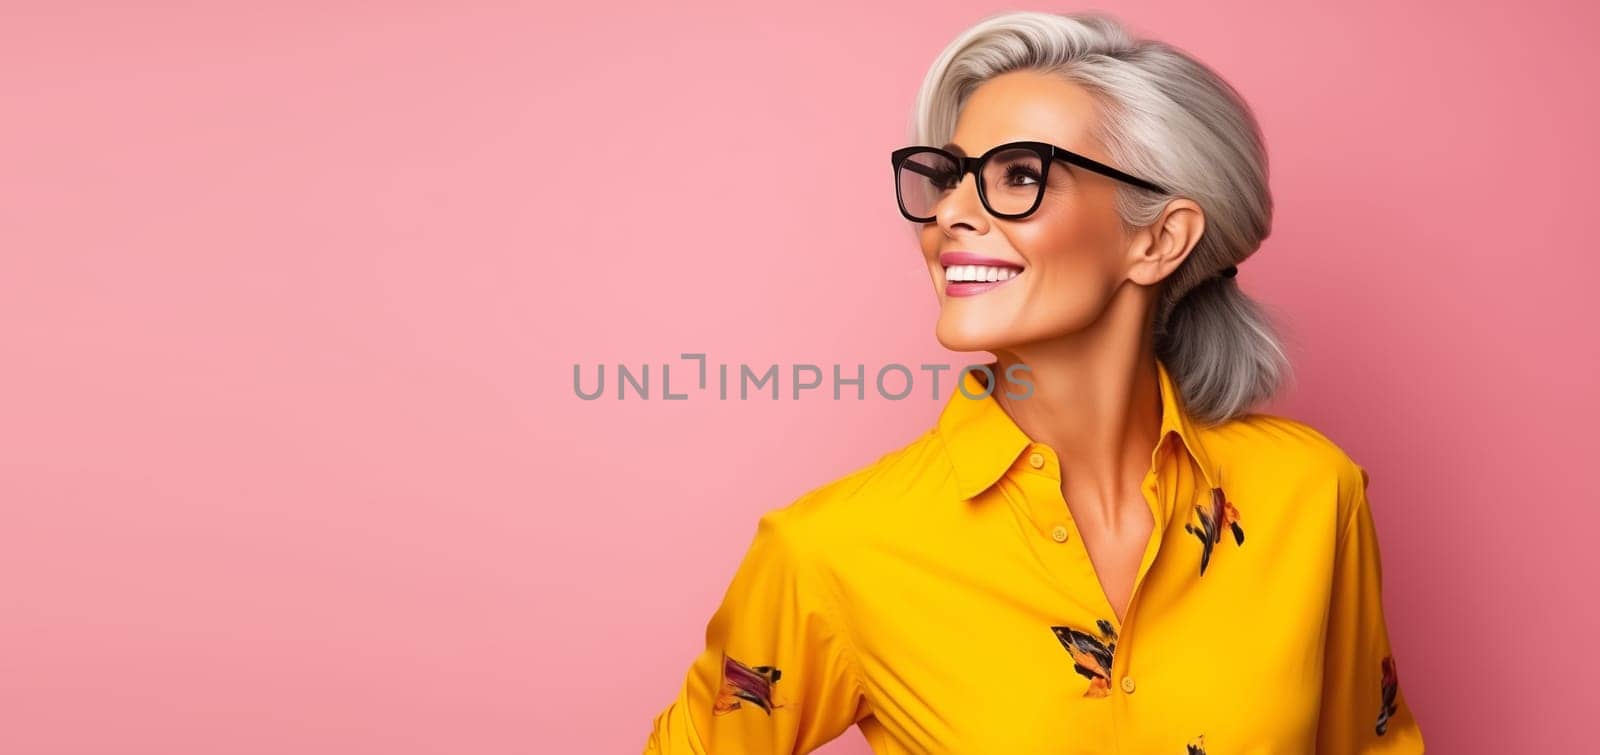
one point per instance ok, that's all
(983, 441)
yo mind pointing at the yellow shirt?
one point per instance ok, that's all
(941, 600)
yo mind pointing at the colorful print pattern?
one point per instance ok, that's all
(1208, 522)
(1390, 687)
(745, 684)
(1091, 655)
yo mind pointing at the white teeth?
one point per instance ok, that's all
(978, 273)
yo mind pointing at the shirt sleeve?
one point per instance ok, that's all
(777, 674)
(1364, 708)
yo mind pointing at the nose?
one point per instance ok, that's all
(962, 205)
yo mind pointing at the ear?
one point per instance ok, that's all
(1159, 248)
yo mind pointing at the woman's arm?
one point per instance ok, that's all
(1363, 707)
(777, 675)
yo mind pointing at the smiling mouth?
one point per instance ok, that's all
(971, 280)
(979, 273)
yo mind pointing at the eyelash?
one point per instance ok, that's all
(1016, 170)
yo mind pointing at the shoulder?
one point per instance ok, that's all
(1288, 454)
(1281, 442)
(864, 500)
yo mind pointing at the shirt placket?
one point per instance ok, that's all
(1040, 480)
(1174, 481)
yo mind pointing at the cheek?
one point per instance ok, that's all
(1074, 257)
(1068, 245)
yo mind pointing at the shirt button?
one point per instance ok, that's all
(1037, 460)
(1127, 684)
(1059, 534)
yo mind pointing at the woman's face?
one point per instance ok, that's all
(1072, 252)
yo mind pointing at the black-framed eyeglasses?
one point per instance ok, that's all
(1012, 177)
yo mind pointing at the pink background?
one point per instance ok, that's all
(290, 298)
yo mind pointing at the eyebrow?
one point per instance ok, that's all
(954, 149)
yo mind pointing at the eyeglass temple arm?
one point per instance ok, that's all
(1106, 170)
(919, 168)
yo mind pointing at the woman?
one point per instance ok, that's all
(1122, 558)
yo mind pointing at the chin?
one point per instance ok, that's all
(969, 336)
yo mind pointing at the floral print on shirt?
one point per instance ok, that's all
(752, 684)
(1208, 521)
(1390, 686)
(1091, 655)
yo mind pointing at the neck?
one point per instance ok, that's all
(1096, 402)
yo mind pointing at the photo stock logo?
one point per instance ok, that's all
(742, 381)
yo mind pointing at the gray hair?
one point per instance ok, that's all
(1170, 119)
